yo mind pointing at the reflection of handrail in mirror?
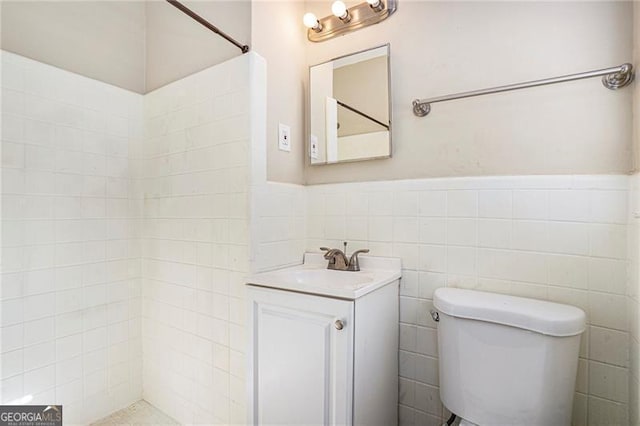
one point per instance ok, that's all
(368, 117)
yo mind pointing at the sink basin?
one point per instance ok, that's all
(313, 277)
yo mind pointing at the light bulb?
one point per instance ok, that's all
(339, 9)
(310, 21)
(376, 5)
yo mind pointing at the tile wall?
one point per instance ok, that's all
(633, 293)
(128, 227)
(70, 284)
(558, 238)
(279, 220)
(195, 180)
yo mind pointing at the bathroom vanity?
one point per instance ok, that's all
(323, 344)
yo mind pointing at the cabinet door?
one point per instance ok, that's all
(301, 362)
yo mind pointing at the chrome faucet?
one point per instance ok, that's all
(338, 259)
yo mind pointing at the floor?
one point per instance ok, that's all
(140, 413)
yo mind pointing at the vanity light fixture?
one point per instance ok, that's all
(344, 19)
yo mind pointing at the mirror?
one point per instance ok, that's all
(350, 109)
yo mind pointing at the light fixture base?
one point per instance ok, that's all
(362, 15)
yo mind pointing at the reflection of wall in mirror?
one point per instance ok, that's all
(363, 86)
(322, 87)
(369, 145)
(331, 129)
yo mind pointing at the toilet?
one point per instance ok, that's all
(506, 360)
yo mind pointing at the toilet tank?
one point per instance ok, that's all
(507, 360)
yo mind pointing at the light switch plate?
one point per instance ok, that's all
(284, 137)
(313, 147)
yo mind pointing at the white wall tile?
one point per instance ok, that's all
(495, 233)
(432, 258)
(11, 364)
(495, 204)
(549, 238)
(608, 206)
(568, 237)
(381, 228)
(462, 260)
(405, 229)
(530, 235)
(569, 205)
(462, 232)
(608, 310)
(608, 381)
(609, 346)
(39, 355)
(608, 240)
(39, 380)
(405, 203)
(432, 203)
(39, 331)
(607, 275)
(568, 271)
(432, 230)
(380, 204)
(196, 216)
(462, 203)
(63, 231)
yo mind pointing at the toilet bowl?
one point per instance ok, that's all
(507, 360)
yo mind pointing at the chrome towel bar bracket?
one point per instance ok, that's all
(612, 78)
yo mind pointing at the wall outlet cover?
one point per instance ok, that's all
(284, 137)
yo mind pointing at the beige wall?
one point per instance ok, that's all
(636, 86)
(446, 47)
(277, 34)
(177, 46)
(103, 40)
(136, 45)
(364, 94)
(633, 238)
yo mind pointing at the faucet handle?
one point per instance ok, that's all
(326, 250)
(354, 263)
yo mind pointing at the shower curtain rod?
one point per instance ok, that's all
(613, 78)
(208, 24)
(368, 117)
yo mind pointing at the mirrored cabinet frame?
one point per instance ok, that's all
(308, 156)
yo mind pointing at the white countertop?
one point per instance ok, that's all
(313, 277)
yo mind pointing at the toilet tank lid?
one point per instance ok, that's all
(553, 319)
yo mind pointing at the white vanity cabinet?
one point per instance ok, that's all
(324, 356)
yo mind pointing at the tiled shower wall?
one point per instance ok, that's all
(558, 238)
(279, 219)
(70, 294)
(195, 173)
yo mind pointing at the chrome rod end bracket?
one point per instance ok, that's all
(420, 109)
(619, 79)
